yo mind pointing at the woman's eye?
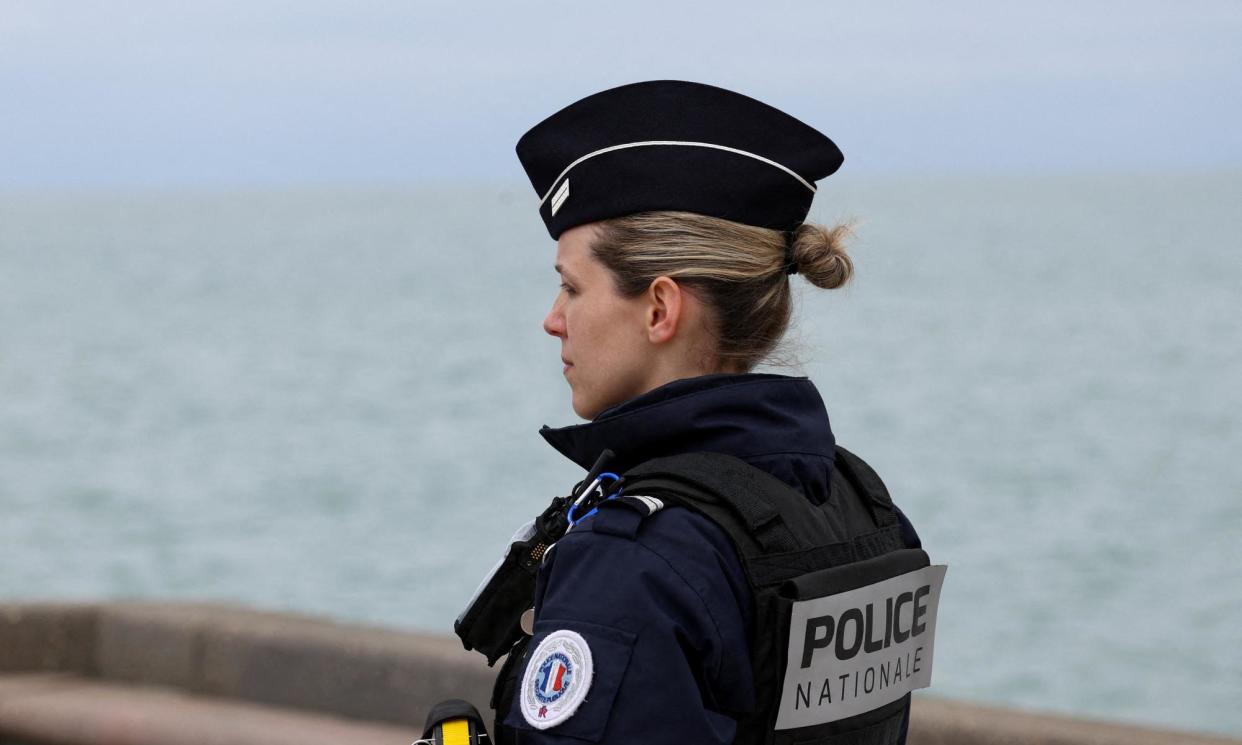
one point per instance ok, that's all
(568, 290)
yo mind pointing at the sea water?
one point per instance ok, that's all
(328, 401)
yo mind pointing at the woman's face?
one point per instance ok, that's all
(604, 340)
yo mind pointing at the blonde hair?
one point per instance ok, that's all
(739, 271)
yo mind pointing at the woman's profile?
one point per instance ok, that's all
(724, 572)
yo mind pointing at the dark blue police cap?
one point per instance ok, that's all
(674, 145)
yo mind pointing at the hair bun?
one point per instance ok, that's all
(820, 256)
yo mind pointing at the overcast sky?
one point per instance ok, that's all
(151, 92)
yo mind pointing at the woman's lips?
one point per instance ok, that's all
(567, 364)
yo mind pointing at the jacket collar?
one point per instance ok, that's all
(749, 416)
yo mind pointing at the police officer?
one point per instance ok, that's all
(661, 609)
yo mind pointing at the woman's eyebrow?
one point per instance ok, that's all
(561, 271)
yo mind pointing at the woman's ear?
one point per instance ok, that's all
(665, 305)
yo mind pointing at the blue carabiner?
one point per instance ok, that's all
(570, 514)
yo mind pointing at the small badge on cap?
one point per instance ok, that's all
(556, 680)
(560, 196)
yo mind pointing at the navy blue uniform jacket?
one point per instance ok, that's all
(662, 602)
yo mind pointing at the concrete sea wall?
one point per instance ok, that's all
(147, 673)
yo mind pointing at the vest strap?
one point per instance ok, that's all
(868, 482)
(763, 521)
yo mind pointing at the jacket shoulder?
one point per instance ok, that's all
(673, 542)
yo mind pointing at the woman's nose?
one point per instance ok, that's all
(554, 322)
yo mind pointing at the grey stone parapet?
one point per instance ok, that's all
(256, 674)
(152, 673)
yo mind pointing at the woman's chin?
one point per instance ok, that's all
(584, 411)
(586, 406)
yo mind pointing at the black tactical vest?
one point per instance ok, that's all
(790, 551)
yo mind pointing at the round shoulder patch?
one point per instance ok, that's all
(556, 679)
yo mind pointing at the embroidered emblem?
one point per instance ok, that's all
(556, 680)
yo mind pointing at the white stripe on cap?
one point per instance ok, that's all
(645, 143)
